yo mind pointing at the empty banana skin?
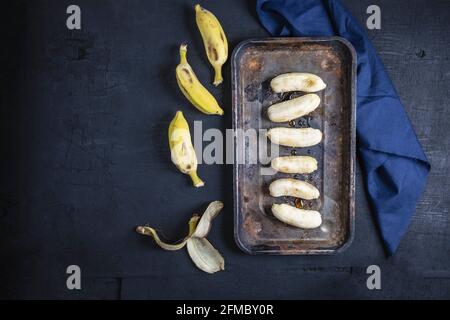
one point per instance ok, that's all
(293, 188)
(296, 81)
(300, 218)
(295, 137)
(214, 39)
(294, 108)
(192, 89)
(294, 164)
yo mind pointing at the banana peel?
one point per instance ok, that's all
(204, 255)
(149, 231)
(201, 251)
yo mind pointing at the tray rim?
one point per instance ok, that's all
(351, 234)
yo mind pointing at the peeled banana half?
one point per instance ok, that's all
(216, 44)
(181, 149)
(294, 164)
(300, 218)
(296, 81)
(293, 188)
(294, 108)
(295, 137)
(192, 89)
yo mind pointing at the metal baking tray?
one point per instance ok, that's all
(254, 63)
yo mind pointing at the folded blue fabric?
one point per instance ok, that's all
(394, 165)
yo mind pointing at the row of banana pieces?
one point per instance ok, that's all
(216, 47)
(295, 137)
(201, 251)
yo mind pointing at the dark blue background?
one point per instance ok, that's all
(84, 118)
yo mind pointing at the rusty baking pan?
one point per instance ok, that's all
(254, 64)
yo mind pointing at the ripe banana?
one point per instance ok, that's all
(306, 219)
(295, 137)
(292, 109)
(296, 81)
(181, 149)
(192, 89)
(293, 188)
(294, 164)
(216, 44)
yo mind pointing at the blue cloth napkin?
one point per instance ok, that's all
(394, 165)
